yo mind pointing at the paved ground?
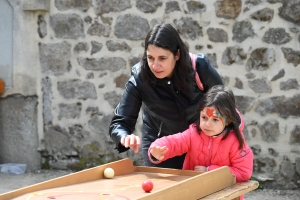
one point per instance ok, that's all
(13, 182)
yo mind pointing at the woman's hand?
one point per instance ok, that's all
(158, 152)
(200, 168)
(132, 141)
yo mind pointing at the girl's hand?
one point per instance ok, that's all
(158, 152)
(200, 168)
(132, 141)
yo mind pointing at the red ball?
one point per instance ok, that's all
(147, 186)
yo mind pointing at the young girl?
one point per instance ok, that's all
(215, 140)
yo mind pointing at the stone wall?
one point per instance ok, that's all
(86, 48)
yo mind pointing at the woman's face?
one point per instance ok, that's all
(211, 121)
(161, 61)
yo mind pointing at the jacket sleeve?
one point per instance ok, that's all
(125, 114)
(177, 145)
(241, 162)
(207, 73)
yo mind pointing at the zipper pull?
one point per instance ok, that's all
(159, 129)
(209, 144)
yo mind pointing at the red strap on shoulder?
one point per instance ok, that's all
(198, 81)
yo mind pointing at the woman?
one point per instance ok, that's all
(164, 83)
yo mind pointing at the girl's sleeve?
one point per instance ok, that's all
(241, 162)
(207, 73)
(125, 114)
(177, 144)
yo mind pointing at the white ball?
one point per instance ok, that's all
(109, 173)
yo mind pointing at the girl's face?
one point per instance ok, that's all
(211, 121)
(161, 61)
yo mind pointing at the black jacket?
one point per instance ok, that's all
(165, 110)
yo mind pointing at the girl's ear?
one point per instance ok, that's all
(177, 55)
(227, 123)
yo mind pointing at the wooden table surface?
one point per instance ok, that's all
(120, 187)
(127, 184)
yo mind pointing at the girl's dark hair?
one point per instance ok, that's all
(166, 36)
(223, 100)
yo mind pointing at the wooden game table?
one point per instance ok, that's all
(126, 185)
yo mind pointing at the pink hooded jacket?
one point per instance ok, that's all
(212, 152)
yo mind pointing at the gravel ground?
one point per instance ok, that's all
(13, 182)
(273, 195)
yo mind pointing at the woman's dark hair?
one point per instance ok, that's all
(166, 36)
(223, 100)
